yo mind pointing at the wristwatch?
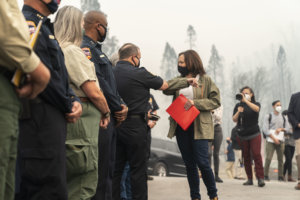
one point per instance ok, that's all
(106, 115)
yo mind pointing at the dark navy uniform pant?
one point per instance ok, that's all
(106, 163)
(42, 154)
(132, 147)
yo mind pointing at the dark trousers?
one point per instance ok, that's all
(251, 150)
(42, 154)
(132, 147)
(217, 141)
(288, 153)
(195, 155)
(106, 163)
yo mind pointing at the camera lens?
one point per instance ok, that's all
(238, 97)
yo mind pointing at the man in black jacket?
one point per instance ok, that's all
(294, 118)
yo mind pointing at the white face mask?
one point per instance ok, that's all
(248, 97)
(278, 108)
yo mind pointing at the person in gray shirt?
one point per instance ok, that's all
(274, 128)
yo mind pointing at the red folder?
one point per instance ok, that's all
(183, 117)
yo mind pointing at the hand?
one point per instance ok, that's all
(240, 109)
(299, 125)
(121, 115)
(279, 130)
(244, 98)
(193, 82)
(151, 123)
(104, 122)
(37, 81)
(189, 103)
(75, 114)
(276, 141)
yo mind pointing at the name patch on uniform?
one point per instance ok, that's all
(102, 56)
(31, 26)
(51, 37)
(87, 52)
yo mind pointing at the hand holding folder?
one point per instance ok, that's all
(19, 78)
(183, 117)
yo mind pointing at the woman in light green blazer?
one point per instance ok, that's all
(193, 143)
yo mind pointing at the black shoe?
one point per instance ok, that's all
(267, 178)
(217, 179)
(248, 182)
(150, 178)
(261, 182)
(280, 178)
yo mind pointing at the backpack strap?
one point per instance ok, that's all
(270, 119)
(284, 120)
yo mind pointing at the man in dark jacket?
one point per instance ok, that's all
(294, 118)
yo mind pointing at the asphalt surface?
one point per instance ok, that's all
(173, 188)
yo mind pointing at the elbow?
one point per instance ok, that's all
(95, 96)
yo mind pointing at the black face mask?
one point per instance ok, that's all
(183, 71)
(138, 65)
(52, 6)
(228, 141)
(102, 37)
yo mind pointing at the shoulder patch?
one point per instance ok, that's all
(87, 52)
(31, 26)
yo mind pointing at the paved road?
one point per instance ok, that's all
(177, 189)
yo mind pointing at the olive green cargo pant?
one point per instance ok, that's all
(9, 127)
(82, 154)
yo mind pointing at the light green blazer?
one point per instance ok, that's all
(203, 124)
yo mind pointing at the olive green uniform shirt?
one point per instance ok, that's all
(15, 51)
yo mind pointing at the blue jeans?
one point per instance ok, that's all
(125, 183)
(195, 154)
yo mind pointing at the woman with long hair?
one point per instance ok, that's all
(201, 92)
(82, 136)
(246, 114)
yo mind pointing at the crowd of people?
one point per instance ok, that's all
(79, 126)
(280, 131)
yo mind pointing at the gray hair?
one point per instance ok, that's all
(67, 25)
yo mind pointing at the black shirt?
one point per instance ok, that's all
(57, 93)
(248, 120)
(104, 72)
(134, 86)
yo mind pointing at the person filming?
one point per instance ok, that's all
(246, 114)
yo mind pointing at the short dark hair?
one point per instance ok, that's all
(128, 50)
(274, 102)
(193, 62)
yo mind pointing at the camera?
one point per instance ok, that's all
(239, 97)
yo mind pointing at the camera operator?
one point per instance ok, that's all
(246, 114)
